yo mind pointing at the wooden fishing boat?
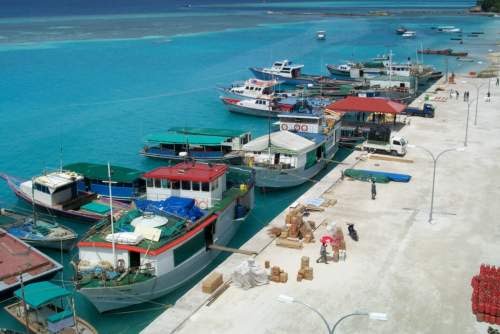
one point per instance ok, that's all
(153, 250)
(443, 52)
(37, 232)
(44, 308)
(57, 192)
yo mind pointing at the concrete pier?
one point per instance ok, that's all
(417, 272)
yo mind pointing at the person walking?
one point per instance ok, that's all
(498, 82)
(374, 189)
(488, 96)
(457, 94)
(322, 254)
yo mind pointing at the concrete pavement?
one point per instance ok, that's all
(418, 273)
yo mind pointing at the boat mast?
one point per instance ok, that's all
(390, 69)
(111, 216)
(26, 315)
(33, 199)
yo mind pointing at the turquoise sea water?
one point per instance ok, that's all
(95, 99)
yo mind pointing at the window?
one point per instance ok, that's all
(149, 183)
(175, 184)
(395, 142)
(157, 183)
(42, 188)
(186, 185)
(205, 186)
(165, 184)
(196, 186)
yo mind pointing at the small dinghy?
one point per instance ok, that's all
(37, 232)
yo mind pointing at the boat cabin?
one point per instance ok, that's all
(300, 122)
(285, 68)
(254, 88)
(53, 189)
(203, 182)
(126, 183)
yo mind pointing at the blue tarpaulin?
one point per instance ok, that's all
(383, 177)
(177, 206)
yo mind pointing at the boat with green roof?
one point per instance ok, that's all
(44, 307)
(201, 144)
(152, 250)
(127, 183)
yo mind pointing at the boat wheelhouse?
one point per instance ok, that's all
(296, 153)
(18, 258)
(57, 192)
(252, 88)
(44, 307)
(201, 144)
(126, 183)
(286, 72)
(166, 241)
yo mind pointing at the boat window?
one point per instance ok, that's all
(149, 183)
(42, 188)
(196, 186)
(157, 183)
(205, 186)
(251, 88)
(246, 87)
(395, 142)
(277, 64)
(175, 184)
(186, 185)
(165, 184)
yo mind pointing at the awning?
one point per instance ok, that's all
(100, 172)
(282, 139)
(230, 133)
(38, 294)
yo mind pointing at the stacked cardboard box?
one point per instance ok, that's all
(278, 275)
(212, 282)
(305, 271)
(486, 294)
(296, 227)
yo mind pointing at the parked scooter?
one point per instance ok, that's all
(352, 232)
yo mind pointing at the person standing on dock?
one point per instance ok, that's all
(374, 189)
(322, 254)
(498, 82)
(457, 94)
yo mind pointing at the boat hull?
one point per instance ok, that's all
(232, 159)
(232, 107)
(110, 298)
(335, 72)
(281, 178)
(259, 74)
(65, 245)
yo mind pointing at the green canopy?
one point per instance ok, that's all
(207, 131)
(179, 138)
(38, 294)
(100, 172)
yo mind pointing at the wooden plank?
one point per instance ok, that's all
(232, 250)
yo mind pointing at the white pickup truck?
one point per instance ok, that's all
(395, 146)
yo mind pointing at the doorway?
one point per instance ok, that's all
(134, 259)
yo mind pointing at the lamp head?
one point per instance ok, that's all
(377, 316)
(286, 299)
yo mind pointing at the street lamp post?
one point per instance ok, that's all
(478, 87)
(331, 330)
(435, 160)
(467, 122)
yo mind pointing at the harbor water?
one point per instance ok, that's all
(70, 95)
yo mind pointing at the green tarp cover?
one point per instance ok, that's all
(100, 172)
(363, 175)
(96, 207)
(60, 316)
(207, 131)
(179, 138)
(38, 294)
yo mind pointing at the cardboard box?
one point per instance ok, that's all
(288, 243)
(212, 282)
(283, 277)
(304, 262)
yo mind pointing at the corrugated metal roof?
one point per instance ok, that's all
(366, 104)
(189, 171)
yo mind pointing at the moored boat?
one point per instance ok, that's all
(57, 192)
(449, 29)
(252, 88)
(201, 144)
(343, 70)
(44, 307)
(401, 30)
(286, 72)
(297, 152)
(37, 232)
(126, 186)
(18, 260)
(190, 207)
(256, 107)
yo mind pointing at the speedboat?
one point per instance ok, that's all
(409, 34)
(321, 35)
